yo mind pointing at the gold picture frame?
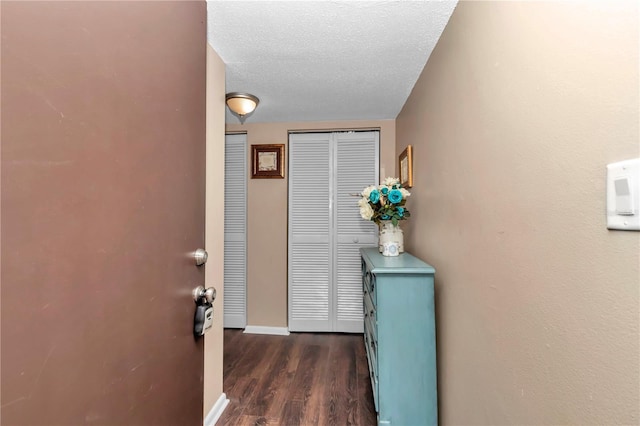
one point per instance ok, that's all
(267, 161)
(405, 165)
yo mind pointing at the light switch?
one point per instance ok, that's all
(623, 195)
(624, 200)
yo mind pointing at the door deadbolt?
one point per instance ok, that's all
(201, 257)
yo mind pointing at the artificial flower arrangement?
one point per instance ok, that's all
(384, 202)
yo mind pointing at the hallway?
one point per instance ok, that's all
(301, 379)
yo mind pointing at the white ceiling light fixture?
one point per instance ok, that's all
(241, 104)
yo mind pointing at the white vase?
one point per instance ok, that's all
(390, 233)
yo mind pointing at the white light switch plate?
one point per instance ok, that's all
(623, 195)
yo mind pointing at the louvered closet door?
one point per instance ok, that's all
(309, 232)
(235, 230)
(326, 230)
(356, 167)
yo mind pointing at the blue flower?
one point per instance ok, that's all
(374, 197)
(400, 211)
(385, 217)
(395, 196)
(384, 190)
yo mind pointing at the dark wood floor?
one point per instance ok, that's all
(301, 379)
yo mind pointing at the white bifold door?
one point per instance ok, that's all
(326, 171)
(235, 231)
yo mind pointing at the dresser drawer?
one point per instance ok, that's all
(372, 359)
(369, 284)
(370, 315)
(372, 350)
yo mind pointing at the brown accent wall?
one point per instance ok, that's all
(267, 215)
(513, 120)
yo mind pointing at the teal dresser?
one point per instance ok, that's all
(400, 337)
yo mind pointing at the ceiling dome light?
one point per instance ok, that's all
(241, 104)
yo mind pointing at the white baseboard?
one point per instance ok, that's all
(216, 410)
(258, 329)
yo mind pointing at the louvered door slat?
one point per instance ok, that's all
(235, 199)
(357, 167)
(309, 228)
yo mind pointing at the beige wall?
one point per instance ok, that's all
(214, 228)
(513, 120)
(267, 216)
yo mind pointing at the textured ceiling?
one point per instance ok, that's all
(325, 60)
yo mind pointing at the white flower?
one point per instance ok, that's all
(390, 181)
(365, 209)
(405, 193)
(367, 191)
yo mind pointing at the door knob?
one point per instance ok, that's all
(208, 294)
(200, 256)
